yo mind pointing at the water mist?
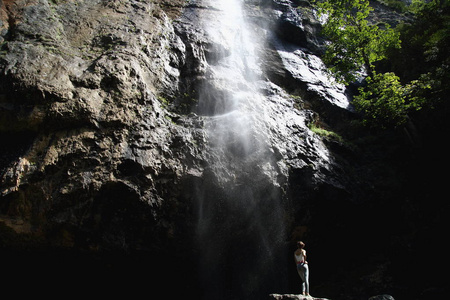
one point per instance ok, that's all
(240, 229)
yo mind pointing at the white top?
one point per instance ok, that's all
(300, 258)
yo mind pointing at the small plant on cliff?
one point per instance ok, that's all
(325, 133)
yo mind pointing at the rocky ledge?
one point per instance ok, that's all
(294, 296)
(303, 297)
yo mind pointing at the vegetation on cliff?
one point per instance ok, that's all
(358, 47)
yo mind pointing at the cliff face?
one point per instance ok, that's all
(99, 106)
(81, 81)
(106, 110)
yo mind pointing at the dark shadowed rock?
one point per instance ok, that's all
(382, 297)
(293, 296)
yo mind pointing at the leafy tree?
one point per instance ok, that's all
(426, 54)
(386, 102)
(354, 43)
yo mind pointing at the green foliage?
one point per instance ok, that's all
(426, 53)
(385, 102)
(355, 44)
(417, 6)
(164, 101)
(325, 133)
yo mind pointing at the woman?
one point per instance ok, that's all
(302, 267)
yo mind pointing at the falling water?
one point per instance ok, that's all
(240, 216)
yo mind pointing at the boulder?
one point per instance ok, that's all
(382, 297)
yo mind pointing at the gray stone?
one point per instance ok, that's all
(111, 94)
(382, 297)
(294, 296)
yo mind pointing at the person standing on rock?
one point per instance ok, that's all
(302, 266)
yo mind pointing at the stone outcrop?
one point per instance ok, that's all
(382, 297)
(96, 96)
(303, 297)
(293, 296)
(108, 149)
(83, 80)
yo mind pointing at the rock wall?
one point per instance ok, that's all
(97, 100)
(107, 149)
(105, 153)
(82, 81)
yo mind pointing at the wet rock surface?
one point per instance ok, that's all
(108, 148)
(103, 93)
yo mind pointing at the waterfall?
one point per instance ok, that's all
(240, 227)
